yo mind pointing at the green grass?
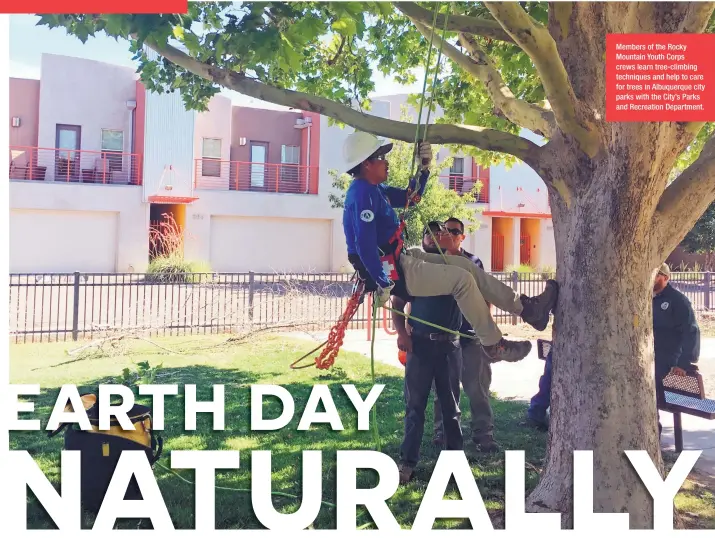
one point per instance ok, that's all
(208, 360)
(237, 367)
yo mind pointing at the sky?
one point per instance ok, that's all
(28, 42)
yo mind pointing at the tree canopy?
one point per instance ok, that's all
(320, 56)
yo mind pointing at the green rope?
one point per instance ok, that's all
(245, 490)
(445, 329)
(424, 91)
(375, 431)
(429, 107)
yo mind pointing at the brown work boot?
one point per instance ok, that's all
(405, 473)
(537, 309)
(508, 350)
(486, 443)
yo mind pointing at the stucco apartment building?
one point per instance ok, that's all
(96, 160)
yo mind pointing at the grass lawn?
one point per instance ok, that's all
(205, 361)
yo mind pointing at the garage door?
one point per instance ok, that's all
(269, 245)
(62, 241)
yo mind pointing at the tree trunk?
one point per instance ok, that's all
(603, 395)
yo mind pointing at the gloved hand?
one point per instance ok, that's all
(382, 295)
(425, 154)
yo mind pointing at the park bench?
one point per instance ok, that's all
(683, 394)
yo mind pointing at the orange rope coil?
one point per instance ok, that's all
(337, 334)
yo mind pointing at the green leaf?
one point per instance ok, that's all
(192, 42)
(292, 58)
(384, 8)
(220, 49)
(345, 26)
(82, 33)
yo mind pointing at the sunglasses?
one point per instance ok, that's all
(454, 231)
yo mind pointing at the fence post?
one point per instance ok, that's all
(251, 275)
(75, 308)
(706, 301)
(515, 287)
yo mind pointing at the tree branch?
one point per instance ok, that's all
(456, 23)
(481, 137)
(684, 201)
(535, 40)
(522, 113)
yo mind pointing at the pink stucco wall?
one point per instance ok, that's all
(24, 104)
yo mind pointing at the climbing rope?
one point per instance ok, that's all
(245, 490)
(410, 196)
(337, 334)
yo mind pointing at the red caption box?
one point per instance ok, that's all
(660, 77)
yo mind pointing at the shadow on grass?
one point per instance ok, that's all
(234, 509)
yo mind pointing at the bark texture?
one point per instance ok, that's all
(603, 394)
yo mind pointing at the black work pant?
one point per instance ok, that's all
(429, 361)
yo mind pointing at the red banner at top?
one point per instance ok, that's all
(104, 7)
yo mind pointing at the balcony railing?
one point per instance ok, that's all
(75, 166)
(465, 184)
(256, 177)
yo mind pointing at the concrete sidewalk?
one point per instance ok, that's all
(519, 381)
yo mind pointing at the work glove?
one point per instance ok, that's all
(425, 155)
(382, 296)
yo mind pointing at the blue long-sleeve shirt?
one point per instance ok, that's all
(369, 221)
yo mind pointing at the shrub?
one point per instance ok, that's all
(168, 265)
(173, 269)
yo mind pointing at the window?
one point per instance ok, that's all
(290, 155)
(211, 157)
(456, 174)
(112, 148)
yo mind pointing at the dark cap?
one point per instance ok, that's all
(435, 226)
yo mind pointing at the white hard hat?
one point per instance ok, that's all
(359, 146)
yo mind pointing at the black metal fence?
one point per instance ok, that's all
(74, 306)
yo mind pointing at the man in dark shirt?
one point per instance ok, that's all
(675, 331)
(435, 356)
(476, 374)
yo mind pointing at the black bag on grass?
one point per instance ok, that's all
(100, 449)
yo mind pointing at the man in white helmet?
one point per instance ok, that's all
(374, 243)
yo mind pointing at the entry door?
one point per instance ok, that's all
(67, 141)
(259, 156)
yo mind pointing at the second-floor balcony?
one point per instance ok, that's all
(75, 166)
(256, 177)
(464, 185)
